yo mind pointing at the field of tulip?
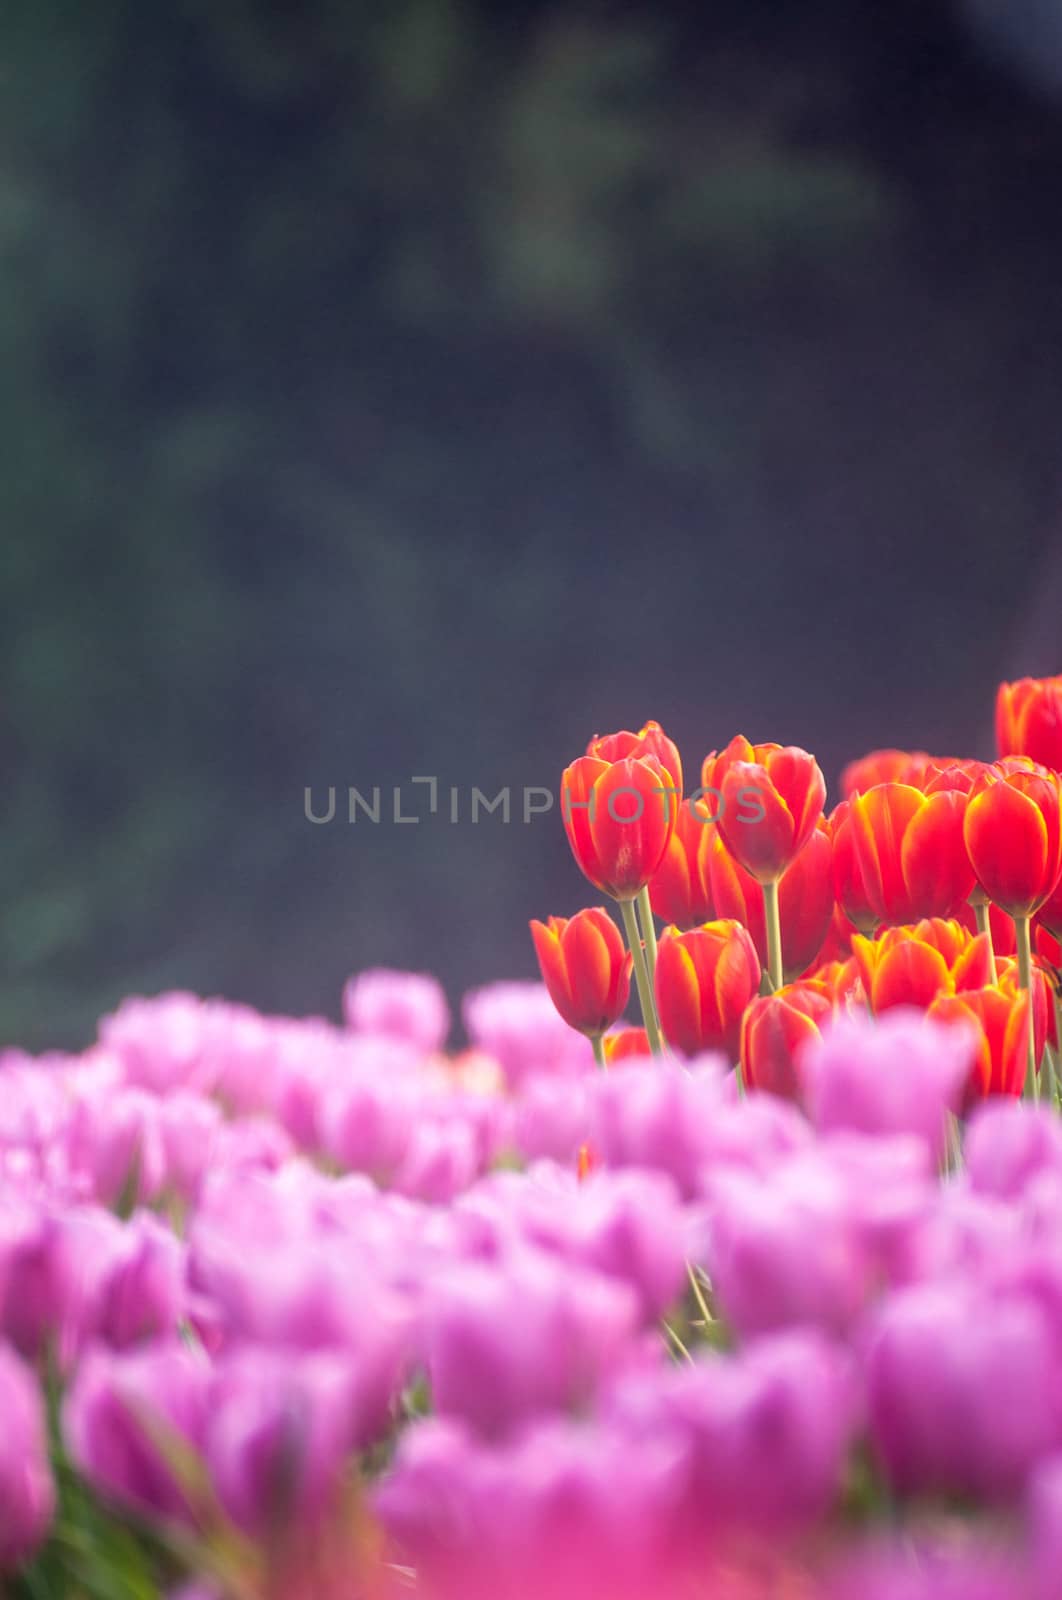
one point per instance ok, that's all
(761, 1297)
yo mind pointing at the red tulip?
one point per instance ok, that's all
(1001, 1019)
(885, 766)
(840, 980)
(910, 851)
(837, 945)
(648, 741)
(1049, 916)
(958, 775)
(628, 1044)
(585, 968)
(770, 799)
(805, 901)
(1048, 948)
(704, 980)
(848, 887)
(619, 817)
(1013, 833)
(680, 890)
(775, 1030)
(911, 966)
(1029, 720)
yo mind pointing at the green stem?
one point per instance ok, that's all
(980, 910)
(1021, 929)
(598, 1042)
(641, 976)
(648, 926)
(774, 934)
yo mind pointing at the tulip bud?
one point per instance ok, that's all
(1029, 720)
(585, 968)
(704, 981)
(27, 1494)
(280, 1430)
(626, 1044)
(910, 851)
(911, 966)
(1013, 832)
(932, 1370)
(130, 1421)
(142, 1294)
(1001, 1021)
(619, 817)
(648, 741)
(406, 1005)
(771, 800)
(885, 766)
(517, 1024)
(899, 1075)
(775, 1030)
(524, 1336)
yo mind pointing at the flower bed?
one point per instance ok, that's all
(761, 1298)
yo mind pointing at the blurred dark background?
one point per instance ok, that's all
(420, 388)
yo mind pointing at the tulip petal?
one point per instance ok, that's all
(911, 973)
(631, 823)
(678, 996)
(578, 803)
(934, 864)
(879, 819)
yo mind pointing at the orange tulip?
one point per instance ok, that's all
(585, 968)
(619, 817)
(775, 1030)
(1001, 1019)
(910, 851)
(911, 966)
(1029, 720)
(704, 980)
(680, 890)
(805, 901)
(848, 887)
(1013, 833)
(648, 741)
(770, 800)
(885, 766)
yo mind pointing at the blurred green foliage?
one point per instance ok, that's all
(365, 370)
